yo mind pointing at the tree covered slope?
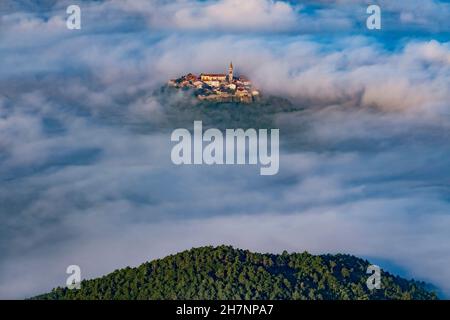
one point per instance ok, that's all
(227, 273)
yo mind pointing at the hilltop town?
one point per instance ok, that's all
(218, 87)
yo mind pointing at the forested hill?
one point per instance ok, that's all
(227, 273)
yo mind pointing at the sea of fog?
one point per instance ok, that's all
(86, 176)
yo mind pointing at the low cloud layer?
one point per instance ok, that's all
(85, 171)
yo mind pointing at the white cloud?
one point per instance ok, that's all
(235, 14)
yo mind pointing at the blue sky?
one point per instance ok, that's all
(85, 170)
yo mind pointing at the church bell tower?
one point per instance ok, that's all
(230, 73)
